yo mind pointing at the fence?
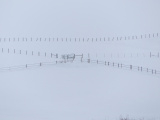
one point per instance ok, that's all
(105, 63)
(55, 55)
(115, 38)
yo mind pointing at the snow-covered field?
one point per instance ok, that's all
(34, 32)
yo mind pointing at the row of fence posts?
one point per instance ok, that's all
(112, 64)
(32, 53)
(83, 39)
(56, 55)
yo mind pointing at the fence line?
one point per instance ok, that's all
(32, 53)
(123, 66)
(105, 63)
(51, 55)
(115, 38)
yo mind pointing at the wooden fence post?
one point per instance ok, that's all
(56, 55)
(88, 60)
(131, 67)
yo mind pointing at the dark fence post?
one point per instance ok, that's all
(88, 60)
(130, 66)
(56, 55)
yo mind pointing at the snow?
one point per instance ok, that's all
(79, 90)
